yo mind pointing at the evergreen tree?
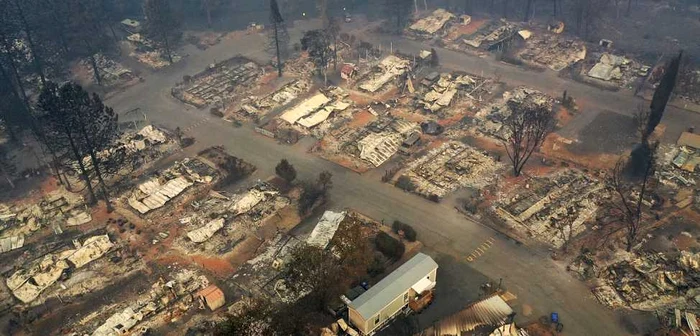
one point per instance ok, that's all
(162, 24)
(279, 37)
(80, 124)
(286, 171)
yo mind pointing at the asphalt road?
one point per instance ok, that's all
(529, 272)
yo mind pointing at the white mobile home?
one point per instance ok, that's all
(380, 303)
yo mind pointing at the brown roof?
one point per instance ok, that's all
(690, 140)
(213, 296)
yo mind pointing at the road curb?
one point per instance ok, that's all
(498, 230)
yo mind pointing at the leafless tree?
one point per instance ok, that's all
(526, 127)
(588, 13)
(641, 120)
(627, 196)
(565, 227)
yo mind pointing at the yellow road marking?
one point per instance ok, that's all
(481, 249)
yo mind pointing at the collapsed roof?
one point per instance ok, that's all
(325, 229)
(433, 23)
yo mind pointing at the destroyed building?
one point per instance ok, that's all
(219, 222)
(489, 119)
(555, 52)
(489, 34)
(289, 92)
(264, 274)
(554, 207)
(31, 280)
(110, 71)
(652, 281)
(367, 146)
(390, 68)
(679, 164)
(157, 191)
(439, 91)
(146, 51)
(324, 231)
(168, 297)
(619, 70)
(451, 166)
(488, 316)
(219, 83)
(55, 210)
(432, 25)
(314, 110)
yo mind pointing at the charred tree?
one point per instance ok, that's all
(662, 95)
(398, 11)
(88, 127)
(162, 25)
(628, 195)
(279, 39)
(318, 44)
(57, 123)
(527, 126)
(332, 29)
(528, 10)
(639, 157)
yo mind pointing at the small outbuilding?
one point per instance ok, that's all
(212, 297)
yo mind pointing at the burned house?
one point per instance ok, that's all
(543, 206)
(432, 25)
(219, 83)
(390, 68)
(154, 193)
(451, 166)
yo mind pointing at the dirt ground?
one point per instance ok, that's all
(608, 133)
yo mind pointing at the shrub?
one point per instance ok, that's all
(389, 246)
(215, 111)
(404, 230)
(310, 194)
(376, 268)
(405, 183)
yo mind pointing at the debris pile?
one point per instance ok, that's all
(169, 299)
(688, 86)
(156, 192)
(552, 51)
(27, 283)
(219, 83)
(56, 209)
(552, 208)
(490, 118)
(387, 70)
(652, 281)
(434, 24)
(283, 96)
(451, 166)
(217, 223)
(110, 71)
(617, 69)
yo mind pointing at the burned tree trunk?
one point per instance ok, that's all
(527, 126)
